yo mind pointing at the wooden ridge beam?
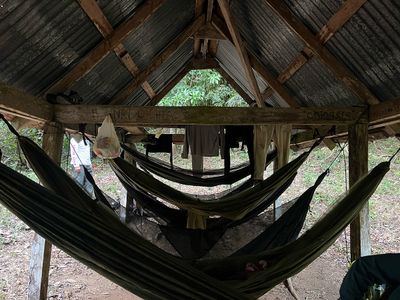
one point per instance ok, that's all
(18, 103)
(94, 12)
(198, 11)
(241, 49)
(163, 116)
(158, 60)
(346, 11)
(339, 69)
(259, 67)
(236, 86)
(142, 13)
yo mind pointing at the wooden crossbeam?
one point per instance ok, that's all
(346, 11)
(164, 116)
(158, 60)
(142, 13)
(241, 49)
(208, 32)
(94, 12)
(385, 112)
(232, 82)
(19, 103)
(338, 68)
(203, 63)
(259, 67)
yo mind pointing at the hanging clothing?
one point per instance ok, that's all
(162, 144)
(234, 135)
(203, 141)
(80, 153)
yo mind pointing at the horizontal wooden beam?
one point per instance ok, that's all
(203, 63)
(386, 111)
(158, 60)
(142, 13)
(18, 103)
(164, 116)
(208, 31)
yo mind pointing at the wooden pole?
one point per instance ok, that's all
(53, 136)
(358, 166)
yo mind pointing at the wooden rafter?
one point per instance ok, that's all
(258, 66)
(123, 115)
(142, 13)
(158, 60)
(241, 49)
(236, 86)
(203, 63)
(346, 11)
(94, 12)
(338, 68)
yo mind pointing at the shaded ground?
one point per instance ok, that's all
(321, 280)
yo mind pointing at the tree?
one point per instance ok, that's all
(202, 88)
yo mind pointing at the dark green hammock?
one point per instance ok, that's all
(183, 176)
(233, 206)
(95, 236)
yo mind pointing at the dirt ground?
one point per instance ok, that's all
(70, 279)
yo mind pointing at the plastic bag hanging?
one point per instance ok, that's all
(107, 144)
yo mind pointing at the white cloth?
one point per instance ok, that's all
(80, 153)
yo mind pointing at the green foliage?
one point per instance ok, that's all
(202, 88)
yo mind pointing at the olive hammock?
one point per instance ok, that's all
(189, 243)
(187, 177)
(90, 232)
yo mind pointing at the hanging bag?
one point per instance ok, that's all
(107, 144)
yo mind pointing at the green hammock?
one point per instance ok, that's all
(91, 232)
(233, 206)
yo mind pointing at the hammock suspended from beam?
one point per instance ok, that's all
(233, 206)
(90, 232)
(184, 176)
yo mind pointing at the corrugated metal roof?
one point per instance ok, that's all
(314, 13)
(161, 28)
(230, 61)
(103, 81)
(315, 85)
(369, 44)
(41, 40)
(139, 97)
(117, 11)
(266, 34)
(170, 68)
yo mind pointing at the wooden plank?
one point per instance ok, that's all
(209, 32)
(156, 99)
(210, 7)
(39, 267)
(259, 67)
(94, 12)
(198, 11)
(385, 111)
(232, 82)
(358, 167)
(142, 13)
(150, 116)
(203, 63)
(345, 12)
(16, 102)
(241, 49)
(339, 69)
(158, 60)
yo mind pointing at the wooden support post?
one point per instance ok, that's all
(358, 166)
(53, 136)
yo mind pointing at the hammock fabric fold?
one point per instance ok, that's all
(90, 232)
(187, 177)
(233, 206)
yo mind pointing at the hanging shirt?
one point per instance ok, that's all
(202, 140)
(80, 153)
